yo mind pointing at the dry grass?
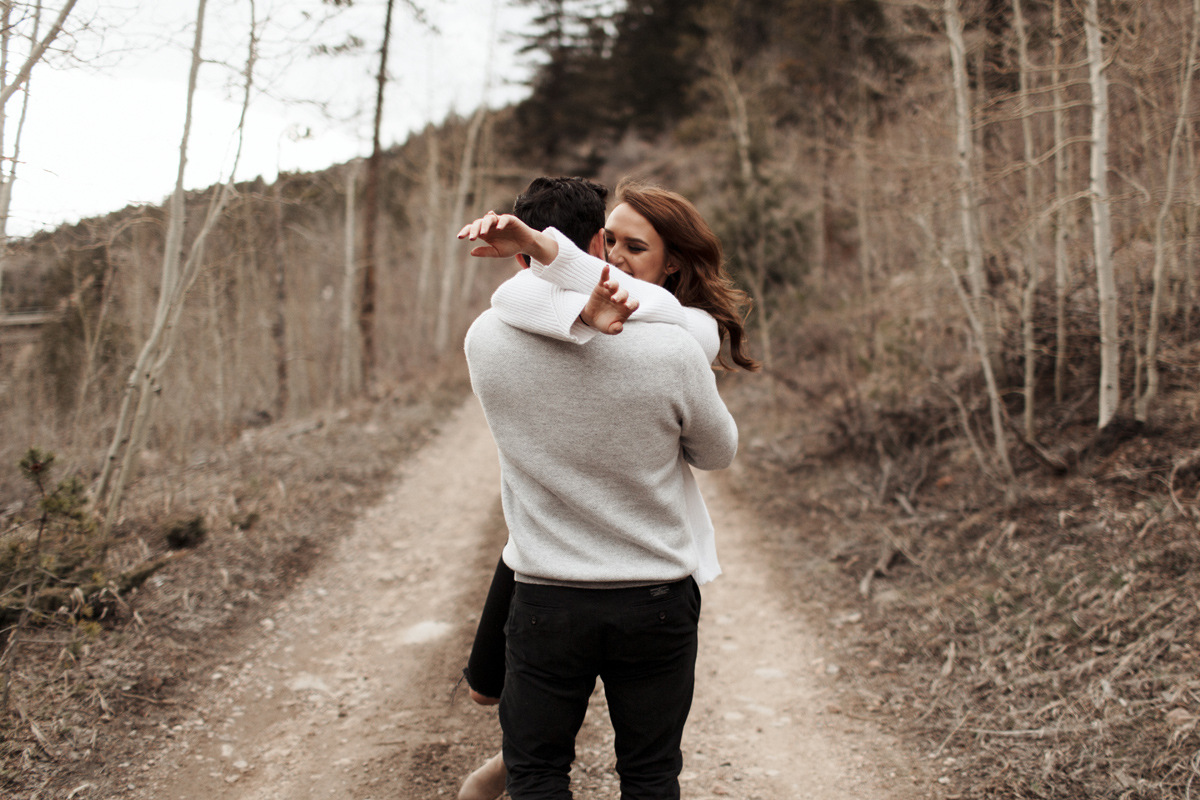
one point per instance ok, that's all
(272, 502)
(1042, 648)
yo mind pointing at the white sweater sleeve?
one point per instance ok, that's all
(577, 273)
(531, 304)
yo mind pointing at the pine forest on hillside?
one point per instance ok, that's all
(971, 232)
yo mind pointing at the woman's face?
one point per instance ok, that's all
(634, 247)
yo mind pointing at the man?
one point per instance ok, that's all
(590, 441)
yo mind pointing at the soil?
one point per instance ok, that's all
(346, 685)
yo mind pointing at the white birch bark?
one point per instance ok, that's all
(1142, 404)
(1032, 224)
(177, 279)
(486, 154)
(7, 180)
(39, 50)
(1192, 221)
(862, 218)
(1061, 230)
(454, 258)
(967, 196)
(347, 347)
(429, 240)
(978, 330)
(751, 198)
(279, 324)
(1110, 343)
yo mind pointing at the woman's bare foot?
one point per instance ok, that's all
(485, 783)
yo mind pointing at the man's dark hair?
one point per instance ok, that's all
(573, 205)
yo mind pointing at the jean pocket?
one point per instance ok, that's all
(660, 627)
(538, 639)
(527, 619)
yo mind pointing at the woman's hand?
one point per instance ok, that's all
(609, 305)
(505, 236)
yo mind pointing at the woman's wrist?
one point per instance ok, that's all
(543, 249)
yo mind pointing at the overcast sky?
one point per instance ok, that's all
(105, 133)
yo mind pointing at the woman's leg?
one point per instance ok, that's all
(485, 783)
(485, 667)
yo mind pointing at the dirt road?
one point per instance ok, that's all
(346, 687)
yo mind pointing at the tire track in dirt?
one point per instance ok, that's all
(346, 691)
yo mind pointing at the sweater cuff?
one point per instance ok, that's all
(572, 269)
(527, 302)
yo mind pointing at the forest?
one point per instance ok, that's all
(971, 233)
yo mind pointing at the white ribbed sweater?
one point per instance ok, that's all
(546, 300)
(591, 440)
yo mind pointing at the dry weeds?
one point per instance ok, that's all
(271, 502)
(1041, 649)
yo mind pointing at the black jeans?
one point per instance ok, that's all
(641, 642)
(485, 666)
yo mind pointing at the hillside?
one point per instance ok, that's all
(974, 443)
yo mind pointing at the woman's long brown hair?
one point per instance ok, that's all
(701, 280)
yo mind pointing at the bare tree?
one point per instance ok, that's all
(1110, 342)
(38, 45)
(429, 239)
(1062, 218)
(346, 342)
(752, 245)
(1142, 404)
(441, 339)
(178, 275)
(1032, 222)
(279, 326)
(366, 309)
(981, 341)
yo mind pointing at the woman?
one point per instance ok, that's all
(659, 239)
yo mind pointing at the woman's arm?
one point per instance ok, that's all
(537, 308)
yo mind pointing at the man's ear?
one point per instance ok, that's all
(521, 262)
(596, 245)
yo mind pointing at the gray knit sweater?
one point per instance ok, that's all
(590, 439)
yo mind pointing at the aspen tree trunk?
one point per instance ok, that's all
(819, 250)
(967, 202)
(985, 359)
(1142, 405)
(36, 54)
(92, 341)
(483, 162)
(751, 198)
(366, 309)
(6, 180)
(1192, 220)
(138, 381)
(445, 316)
(1061, 275)
(1032, 224)
(279, 326)
(349, 280)
(177, 279)
(429, 240)
(214, 317)
(862, 218)
(245, 264)
(1110, 342)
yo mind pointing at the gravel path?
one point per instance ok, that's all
(347, 687)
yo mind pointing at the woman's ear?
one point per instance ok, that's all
(671, 267)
